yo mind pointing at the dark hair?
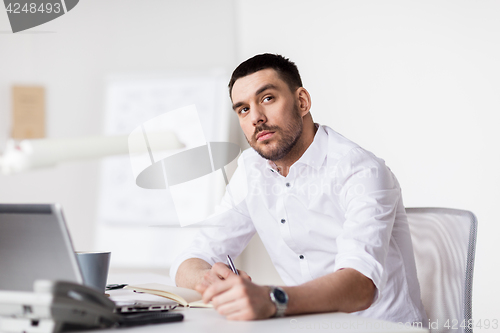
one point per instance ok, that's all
(286, 69)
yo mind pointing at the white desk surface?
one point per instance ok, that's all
(208, 320)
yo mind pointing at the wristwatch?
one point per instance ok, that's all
(280, 299)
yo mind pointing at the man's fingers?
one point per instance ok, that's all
(230, 295)
(239, 299)
(208, 278)
(233, 307)
(214, 290)
(219, 287)
(202, 286)
(221, 270)
(244, 275)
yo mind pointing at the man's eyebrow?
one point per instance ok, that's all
(258, 92)
(237, 105)
(264, 88)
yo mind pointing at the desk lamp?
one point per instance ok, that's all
(26, 155)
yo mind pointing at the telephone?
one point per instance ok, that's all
(77, 304)
(56, 306)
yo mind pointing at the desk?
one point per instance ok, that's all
(208, 320)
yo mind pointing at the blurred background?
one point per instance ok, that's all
(415, 82)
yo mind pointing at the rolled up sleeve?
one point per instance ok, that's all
(370, 197)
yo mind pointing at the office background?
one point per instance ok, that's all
(415, 82)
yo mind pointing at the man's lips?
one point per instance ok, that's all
(264, 135)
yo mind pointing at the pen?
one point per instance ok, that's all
(231, 265)
(115, 286)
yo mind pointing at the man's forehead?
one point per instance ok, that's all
(251, 83)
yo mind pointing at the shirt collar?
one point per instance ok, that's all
(314, 155)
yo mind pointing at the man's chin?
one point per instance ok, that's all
(268, 154)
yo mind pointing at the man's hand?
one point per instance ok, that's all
(237, 298)
(197, 272)
(218, 272)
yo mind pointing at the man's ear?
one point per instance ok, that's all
(304, 100)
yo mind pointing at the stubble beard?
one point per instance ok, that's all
(289, 137)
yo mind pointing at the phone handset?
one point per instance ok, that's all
(73, 290)
(75, 304)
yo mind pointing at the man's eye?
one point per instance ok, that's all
(267, 99)
(243, 110)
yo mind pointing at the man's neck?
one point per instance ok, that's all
(306, 139)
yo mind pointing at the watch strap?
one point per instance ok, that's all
(280, 302)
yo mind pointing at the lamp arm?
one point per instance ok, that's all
(38, 153)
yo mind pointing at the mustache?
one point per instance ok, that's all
(264, 127)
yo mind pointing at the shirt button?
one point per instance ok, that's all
(288, 185)
(301, 257)
(283, 220)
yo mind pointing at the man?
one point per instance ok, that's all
(329, 213)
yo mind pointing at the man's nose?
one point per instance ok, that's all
(258, 116)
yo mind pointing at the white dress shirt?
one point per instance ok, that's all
(339, 207)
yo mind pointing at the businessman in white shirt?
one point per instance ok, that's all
(329, 213)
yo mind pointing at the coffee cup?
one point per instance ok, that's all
(94, 267)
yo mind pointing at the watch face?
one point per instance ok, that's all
(280, 296)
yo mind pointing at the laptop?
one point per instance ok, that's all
(35, 244)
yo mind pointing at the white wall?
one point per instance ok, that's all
(72, 56)
(416, 82)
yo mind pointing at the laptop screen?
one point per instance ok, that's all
(35, 244)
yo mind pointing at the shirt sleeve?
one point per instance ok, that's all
(370, 195)
(227, 232)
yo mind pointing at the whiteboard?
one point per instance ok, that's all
(126, 212)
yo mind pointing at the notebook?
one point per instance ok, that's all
(183, 296)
